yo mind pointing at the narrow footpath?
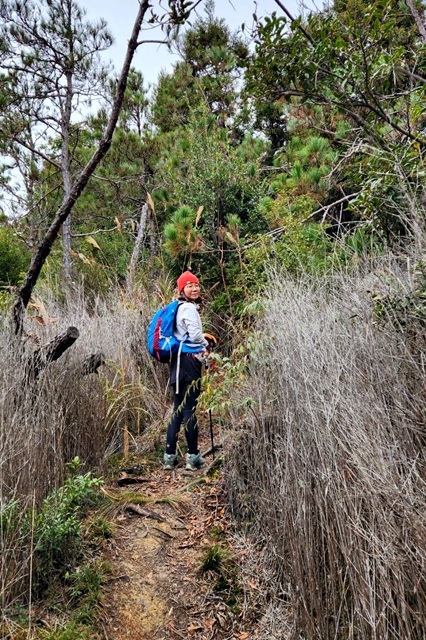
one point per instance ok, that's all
(174, 566)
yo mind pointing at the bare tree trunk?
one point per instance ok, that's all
(66, 109)
(152, 236)
(67, 183)
(30, 189)
(420, 25)
(65, 209)
(66, 250)
(66, 228)
(137, 248)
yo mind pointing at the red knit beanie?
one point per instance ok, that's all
(185, 279)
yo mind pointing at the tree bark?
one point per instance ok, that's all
(420, 25)
(65, 209)
(137, 248)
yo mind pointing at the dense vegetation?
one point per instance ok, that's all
(285, 165)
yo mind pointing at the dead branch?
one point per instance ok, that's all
(92, 363)
(43, 356)
(147, 513)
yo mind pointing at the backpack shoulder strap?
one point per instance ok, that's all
(179, 302)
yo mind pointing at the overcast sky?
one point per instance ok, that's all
(151, 59)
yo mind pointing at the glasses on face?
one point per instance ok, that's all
(192, 285)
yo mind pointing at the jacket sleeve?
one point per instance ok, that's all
(189, 319)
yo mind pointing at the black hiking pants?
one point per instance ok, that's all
(184, 405)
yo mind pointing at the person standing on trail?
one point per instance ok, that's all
(185, 373)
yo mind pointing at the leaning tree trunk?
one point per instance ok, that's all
(65, 209)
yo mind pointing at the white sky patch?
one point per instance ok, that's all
(151, 59)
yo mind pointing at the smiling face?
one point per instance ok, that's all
(191, 291)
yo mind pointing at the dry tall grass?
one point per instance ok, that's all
(63, 414)
(330, 472)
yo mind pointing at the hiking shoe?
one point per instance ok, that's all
(170, 460)
(193, 461)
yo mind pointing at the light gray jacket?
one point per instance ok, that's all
(188, 325)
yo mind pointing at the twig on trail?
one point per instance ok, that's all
(165, 533)
(124, 481)
(122, 576)
(144, 512)
(216, 447)
(174, 630)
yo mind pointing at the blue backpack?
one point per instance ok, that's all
(161, 340)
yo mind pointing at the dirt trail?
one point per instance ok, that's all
(157, 589)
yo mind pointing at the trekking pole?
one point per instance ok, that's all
(211, 431)
(212, 343)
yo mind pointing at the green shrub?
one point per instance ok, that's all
(58, 524)
(14, 258)
(9, 517)
(72, 631)
(84, 589)
(213, 558)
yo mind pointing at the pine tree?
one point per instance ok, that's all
(52, 60)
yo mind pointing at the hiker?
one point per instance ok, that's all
(185, 373)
